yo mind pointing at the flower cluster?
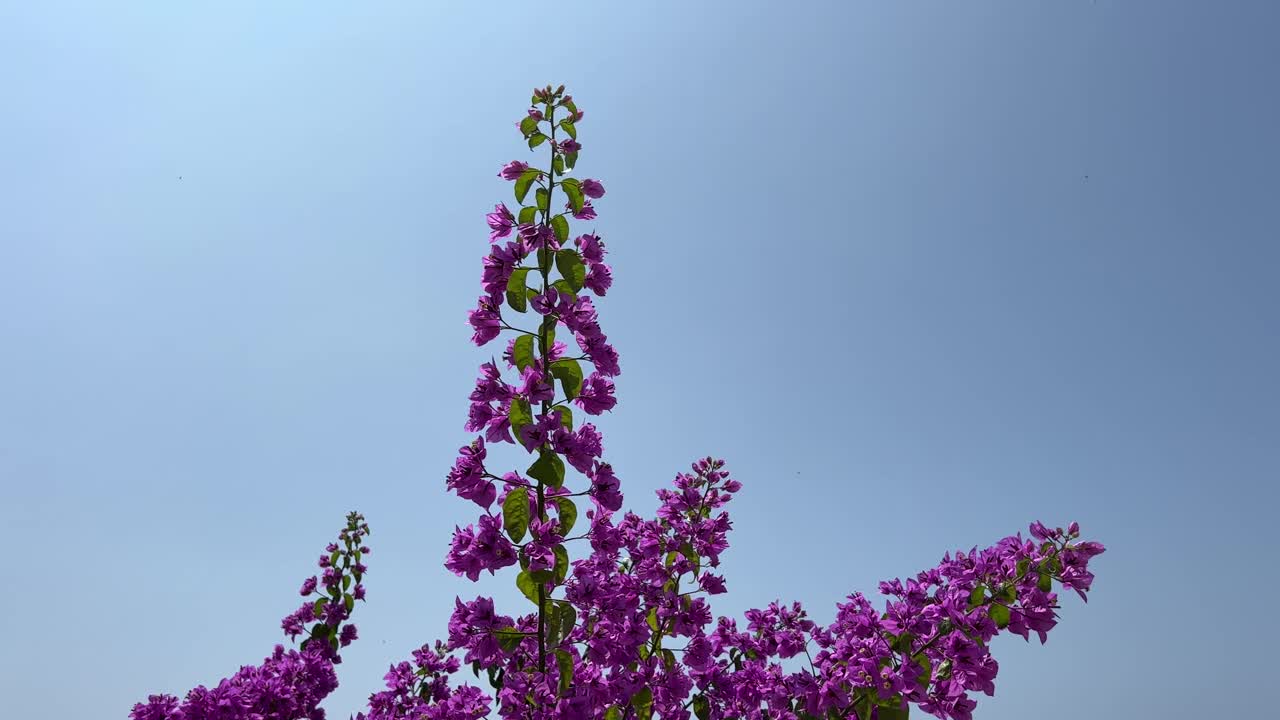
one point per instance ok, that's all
(624, 629)
(289, 684)
(421, 691)
(597, 650)
(928, 646)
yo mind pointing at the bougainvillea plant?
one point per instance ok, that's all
(622, 628)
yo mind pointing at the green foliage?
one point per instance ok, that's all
(517, 289)
(642, 703)
(524, 182)
(571, 268)
(561, 228)
(523, 352)
(569, 373)
(1000, 614)
(564, 661)
(520, 414)
(528, 586)
(515, 514)
(567, 514)
(573, 190)
(548, 468)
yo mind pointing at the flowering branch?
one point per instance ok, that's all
(592, 646)
(288, 685)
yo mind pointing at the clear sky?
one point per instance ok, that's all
(922, 272)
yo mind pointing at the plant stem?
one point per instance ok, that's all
(545, 269)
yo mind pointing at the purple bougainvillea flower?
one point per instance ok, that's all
(512, 170)
(501, 222)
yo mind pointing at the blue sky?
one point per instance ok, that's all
(921, 272)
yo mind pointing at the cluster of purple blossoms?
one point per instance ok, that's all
(625, 631)
(289, 684)
(593, 644)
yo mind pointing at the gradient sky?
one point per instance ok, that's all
(922, 272)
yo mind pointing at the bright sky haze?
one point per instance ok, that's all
(921, 272)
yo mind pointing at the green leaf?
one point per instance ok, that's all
(567, 124)
(652, 619)
(558, 164)
(516, 289)
(668, 659)
(551, 614)
(536, 140)
(564, 287)
(576, 198)
(561, 569)
(692, 556)
(902, 643)
(509, 638)
(568, 618)
(515, 514)
(570, 160)
(349, 602)
(548, 329)
(522, 353)
(1045, 582)
(568, 514)
(642, 701)
(567, 104)
(548, 468)
(520, 415)
(346, 582)
(561, 228)
(613, 713)
(569, 373)
(566, 417)
(1000, 614)
(528, 215)
(318, 608)
(1008, 593)
(528, 586)
(862, 706)
(891, 712)
(977, 597)
(570, 265)
(524, 182)
(701, 707)
(528, 126)
(565, 662)
(926, 670)
(542, 198)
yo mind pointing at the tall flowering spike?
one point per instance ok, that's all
(535, 289)
(289, 684)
